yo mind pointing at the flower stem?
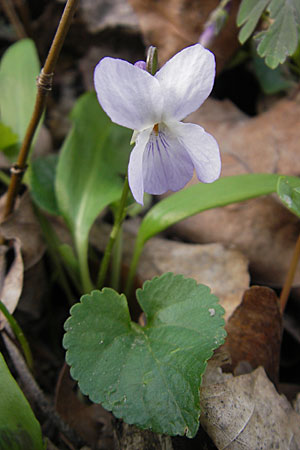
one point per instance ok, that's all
(132, 271)
(44, 84)
(113, 235)
(116, 261)
(83, 261)
(53, 244)
(19, 334)
(290, 276)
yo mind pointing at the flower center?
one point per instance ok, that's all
(155, 129)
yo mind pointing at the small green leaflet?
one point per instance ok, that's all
(149, 376)
(289, 195)
(281, 38)
(249, 14)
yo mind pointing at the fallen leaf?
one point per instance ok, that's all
(92, 422)
(11, 280)
(297, 404)
(22, 223)
(99, 15)
(254, 331)
(224, 270)
(246, 412)
(263, 229)
(174, 24)
(268, 142)
(129, 437)
(23, 226)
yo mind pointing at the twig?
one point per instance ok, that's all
(24, 15)
(290, 276)
(12, 16)
(44, 85)
(36, 396)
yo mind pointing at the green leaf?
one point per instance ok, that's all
(7, 137)
(42, 178)
(281, 38)
(19, 428)
(18, 71)
(200, 197)
(249, 14)
(149, 376)
(289, 194)
(88, 170)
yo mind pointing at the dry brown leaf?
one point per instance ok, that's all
(268, 142)
(263, 229)
(101, 14)
(246, 412)
(22, 224)
(92, 422)
(129, 437)
(11, 281)
(225, 271)
(254, 331)
(174, 24)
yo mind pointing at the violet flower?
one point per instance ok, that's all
(166, 150)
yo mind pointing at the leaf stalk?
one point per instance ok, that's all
(120, 216)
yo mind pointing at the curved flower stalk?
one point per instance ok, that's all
(166, 150)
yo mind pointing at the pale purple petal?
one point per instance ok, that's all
(131, 97)
(166, 164)
(135, 167)
(186, 80)
(202, 148)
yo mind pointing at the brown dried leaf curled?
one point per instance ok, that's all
(246, 412)
(254, 331)
(11, 278)
(263, 229)
(22, 224)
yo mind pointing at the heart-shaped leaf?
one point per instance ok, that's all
(149, 376)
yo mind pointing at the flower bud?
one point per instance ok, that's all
(141, 65)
